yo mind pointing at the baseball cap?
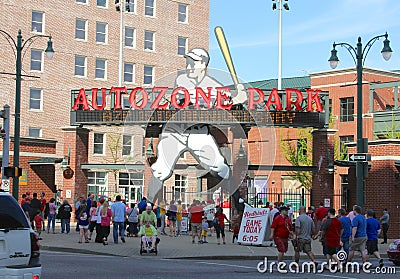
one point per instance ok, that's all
(283, 208)
(101, 200)
(197, 54)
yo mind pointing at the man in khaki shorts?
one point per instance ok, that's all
(304, 231)
(196, 217)
(359, 234)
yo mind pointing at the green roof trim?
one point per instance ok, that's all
(45, 161)
(300, 83)
(112, 166)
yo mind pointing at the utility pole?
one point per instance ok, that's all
(5, 134)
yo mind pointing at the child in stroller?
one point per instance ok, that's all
(149, 240)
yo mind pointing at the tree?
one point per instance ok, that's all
(392, 130)
(298, 152)
(114, 154)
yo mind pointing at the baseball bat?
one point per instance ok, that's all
(223, 45)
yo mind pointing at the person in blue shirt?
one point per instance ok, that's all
(118, 214)
(373, 230)
(346, 225)
(142, 205)
(358, 234)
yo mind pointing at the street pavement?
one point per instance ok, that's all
(180, 247)
(62, 265)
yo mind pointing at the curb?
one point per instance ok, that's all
(76, 250)
(210, 257)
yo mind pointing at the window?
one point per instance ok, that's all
(132, 185)
(101, 32)
(97, 183)
(131, 6)
(180, 188)
(35, 99)
(98, 144)
(37, 22)
(126, 104)
(80, 66)
(344, 188)
(130, 37)
(182, 45)
(129, 72)
(102, 3)
(343, 147)
(81, 1)
(36, 60)
(81, 29)
(182, 13)
(127, 145)
(148, 74)
(149, 7)
(100, 68)
(34, 132)
(347, 109)
(148, 40)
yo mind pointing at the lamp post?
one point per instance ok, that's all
(278, 4)
(19, 46)
(359, 54)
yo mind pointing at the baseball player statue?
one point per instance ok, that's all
(177, 138)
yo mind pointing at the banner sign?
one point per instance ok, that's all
(253, 226)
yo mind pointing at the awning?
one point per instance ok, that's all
(45, 161)
(112, 166)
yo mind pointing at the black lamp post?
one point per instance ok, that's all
(359, 54)
(19, 46)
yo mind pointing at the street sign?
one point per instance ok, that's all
(5, 185)
(360, 157)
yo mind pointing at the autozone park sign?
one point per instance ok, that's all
(289, 107)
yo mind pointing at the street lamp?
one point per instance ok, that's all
(19, 46)
(278, 4)
(359, 54)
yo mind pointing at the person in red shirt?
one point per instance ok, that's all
(281, 230)
(320, 213)
(332, 230)
(219, 224)
(196, 214)
(43, 207)
(38, 222)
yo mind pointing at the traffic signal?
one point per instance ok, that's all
(12, 171)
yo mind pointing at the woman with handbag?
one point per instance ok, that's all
(172, 218)
(93, 218)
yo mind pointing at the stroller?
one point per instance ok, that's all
(148, 246)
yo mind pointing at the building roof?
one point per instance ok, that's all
(293, 82)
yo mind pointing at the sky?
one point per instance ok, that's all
(309, 29)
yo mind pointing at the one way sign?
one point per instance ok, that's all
(360, 157)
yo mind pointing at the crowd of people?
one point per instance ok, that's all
(336, 230)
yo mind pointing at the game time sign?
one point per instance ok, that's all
(290, 107)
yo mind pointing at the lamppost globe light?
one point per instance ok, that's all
(333, 60)
(49, 50)
(386, 50)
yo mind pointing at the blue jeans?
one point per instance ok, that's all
(51, 218)
(65, 225)
(118, 227)
(346, 246)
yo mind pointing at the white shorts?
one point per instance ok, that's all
(83, 227)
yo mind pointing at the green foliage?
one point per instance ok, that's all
(299, 153)
(392, 130)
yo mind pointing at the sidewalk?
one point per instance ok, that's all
(180, 247)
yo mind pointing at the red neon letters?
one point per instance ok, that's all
(180, 98)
